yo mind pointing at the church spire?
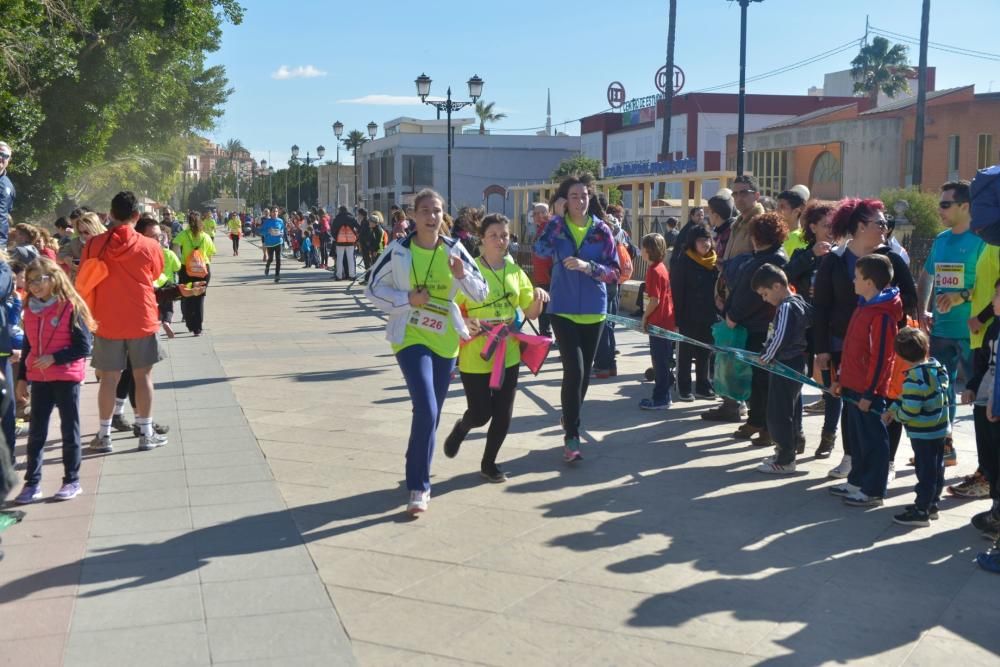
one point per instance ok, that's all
(548, 112)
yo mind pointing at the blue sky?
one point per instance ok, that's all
(298, 66)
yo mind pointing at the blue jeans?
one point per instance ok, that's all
(928, 457)
(45, 396)
(955, 355)
(869, 447)
(605, 358)
(427, 378)
(662, 351)
(7, 405)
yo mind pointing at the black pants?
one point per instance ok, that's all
(698, 356)
(126, 384)
(988, 448)
(324, 249)
(757, 405)
(165, 297)
(236, 242)
(577, 346)
(784, 411)
(66, 397)
(272, 252)
(193, 307)
(928, 459)
(488, 405)
(544, 319)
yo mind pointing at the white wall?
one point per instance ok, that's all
(592, 145)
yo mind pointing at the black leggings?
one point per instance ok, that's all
(488, 405)
(236, 242)
(577, 347)
(273, 252)
(193, 307)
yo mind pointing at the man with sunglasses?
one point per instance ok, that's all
(7, 193)
(949, 274)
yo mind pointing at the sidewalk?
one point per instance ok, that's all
(271, 528)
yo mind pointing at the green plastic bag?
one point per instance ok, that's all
(732, 377)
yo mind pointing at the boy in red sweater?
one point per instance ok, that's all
(865, 374)
(658, 313)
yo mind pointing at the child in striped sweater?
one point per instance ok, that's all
(923, 410)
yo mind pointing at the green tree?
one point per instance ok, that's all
(86, 83)
(577, 165)
(881, 67)
(921, 210)
(485, 113)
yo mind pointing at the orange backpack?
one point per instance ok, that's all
(195, 265)
(624, 263)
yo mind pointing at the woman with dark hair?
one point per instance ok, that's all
(696, 217)
(584, 261)
(721, 216)
(834, 299)
(745, 308)
(692, 285)
(193, 239)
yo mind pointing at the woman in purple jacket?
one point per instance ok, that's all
(582, 248)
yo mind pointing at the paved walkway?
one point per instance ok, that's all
(289, 424)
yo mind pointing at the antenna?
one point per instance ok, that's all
(548, 112)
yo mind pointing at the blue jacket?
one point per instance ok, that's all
(275, 225)
(7, 195)
(576, 292)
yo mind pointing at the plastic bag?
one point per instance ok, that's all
(732, 377)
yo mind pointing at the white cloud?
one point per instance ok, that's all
(385, 100)
(300, 72)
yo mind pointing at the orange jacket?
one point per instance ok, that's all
(124, 302)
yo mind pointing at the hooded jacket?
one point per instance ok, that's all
(389, 285)
(576, 292)
(124, 302)
(744, 306)
(923, 407)
(692, 286)
(866, 368)
(835, 300)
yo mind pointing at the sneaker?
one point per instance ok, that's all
(892, 473)
(721, 414)
(120, 424)
(842, 470)
(571, 450)
(684, 398)
(989, 561)
(493, 474)
(418, 502)
(747, 431)
(152, 442)
(973, 486)
(844, 490)
(816, 407)
(454, 440)
(859, 499)
(101, 444)
(826, 444)
(649, 404)
(933, 513)
(986, 521)
(705, 395)
(912, 517)
(157, 428)
(29, 494)
(950, 456)
(69, 491)
(772, 468)
(763, 439)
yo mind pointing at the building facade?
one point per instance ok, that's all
(414, 155)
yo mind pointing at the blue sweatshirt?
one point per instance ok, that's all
(577, 292)
(272, 231)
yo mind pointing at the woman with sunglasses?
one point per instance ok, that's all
(86, 227)
(834, 299)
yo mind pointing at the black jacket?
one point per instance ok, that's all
(744, 306)
(835, 300)
(692, 288)
(981, 357)
(800, 269)
(370, 237)
(341, 220)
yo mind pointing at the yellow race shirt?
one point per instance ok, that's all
(430, 325)
(510, 289)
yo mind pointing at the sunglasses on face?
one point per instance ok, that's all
(35, 282)
(4, 156)
(879, 222)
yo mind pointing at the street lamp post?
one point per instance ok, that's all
(265, 171)
(270, 184)
(475, 92)
(372, 131)
(307, 161)
(338, 131)
(743, 84)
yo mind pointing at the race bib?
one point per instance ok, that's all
(432, 316)
(949, 276)
(274, 232)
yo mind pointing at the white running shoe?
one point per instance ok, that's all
(842, 470)
(892, 473)
(418, 502)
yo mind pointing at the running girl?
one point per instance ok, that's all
(510, 289)
(57, 342)
(415, 282)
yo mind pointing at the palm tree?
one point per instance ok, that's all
(485, 112)
(354, 140)
(234, 148)
(880, 67)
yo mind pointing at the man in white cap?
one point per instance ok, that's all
(7, 193)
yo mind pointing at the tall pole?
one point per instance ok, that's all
(449, 150)
(337, 196)
(355, 178)
(918, 135)
(286, 189)
(743, 86)
(668, 90)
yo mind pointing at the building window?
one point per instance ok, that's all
(770, 168)
(418, 172)
(825, 180)
(984, 155)
(953, 157)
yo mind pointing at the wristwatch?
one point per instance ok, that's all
(966, 295)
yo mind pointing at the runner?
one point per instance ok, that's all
(195, 248)
(509, 289)
(584, 259)
(415, 282)
(235, 232)
(272, 233)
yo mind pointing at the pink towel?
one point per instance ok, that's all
(534, 350)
